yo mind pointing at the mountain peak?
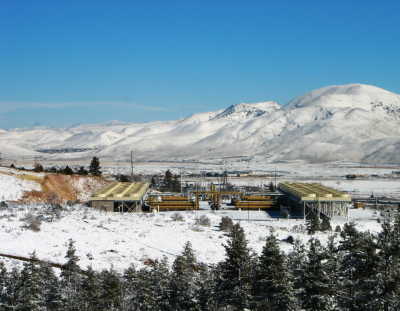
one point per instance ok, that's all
(246, 111)
(346, 96)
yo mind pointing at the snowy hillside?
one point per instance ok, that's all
(354, 122)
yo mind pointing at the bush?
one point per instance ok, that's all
(326, 224)
(12, 166)
(338, 229)
(203, 220)
(32, 222)
(54, 208)
(177, 217)
(3, 205)
(226, 224)
(290, 239)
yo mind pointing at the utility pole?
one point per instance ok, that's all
(180, 181)
(132, 165)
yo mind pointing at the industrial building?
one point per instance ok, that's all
(120, 197)
(324, 201)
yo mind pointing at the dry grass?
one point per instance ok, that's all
(63, 186)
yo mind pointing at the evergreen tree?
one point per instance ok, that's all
(234, 285)
(176, 184)
(332, 268)
(183, 280)
(94, 167)
(326, 224)
(295, 262)
(144, 298)
(123, 178)
(129, 287)
(3, 283)
(91, 290)
(168, 183)
(110, 290)
(68, 171)
(30, 287)
(160, 276)
(313, 224)
(82, 171)
(315, 293)
(9, 302)
(351, 246)
(271, 187)
(153, 181)
(205, 288)
(71, 279)
(52, 290)
(272, 286)
(152, 288)
(385, 282)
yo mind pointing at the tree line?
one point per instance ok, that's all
(353, 271)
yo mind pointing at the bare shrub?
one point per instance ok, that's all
(226, 224)
(32, 221)
(177, 217)
(202, 220)
(196, 228)
(54, 208)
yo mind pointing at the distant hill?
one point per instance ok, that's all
(352, 122)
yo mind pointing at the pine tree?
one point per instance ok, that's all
(82, 171)
(160, 276)
(30, 287)
(52, 290)
(205, 288)
(176, 184)
(168, 181)
(152, 288)
(313, 224)
(326, 224)
(315, 293)
(271, 187)
(144, 298)
(3, 283)
(183, 280)
(94, 167)
(351, 246)
(71, 279)
(272, 286)
(68, 171)
(10, 295)
(129, 287)
(332, 268)
(110, 290)
(385, 282)
(91, 290)
(295, 261)
(234, 285)
(123, 178)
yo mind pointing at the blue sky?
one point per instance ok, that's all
(68, 62)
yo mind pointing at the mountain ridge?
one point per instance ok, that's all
(356, 122)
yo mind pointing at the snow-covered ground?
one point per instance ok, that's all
(123, 239)
(13, 183)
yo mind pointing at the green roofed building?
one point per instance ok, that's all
(120, 197)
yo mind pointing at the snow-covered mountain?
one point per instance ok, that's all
(352, 122)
